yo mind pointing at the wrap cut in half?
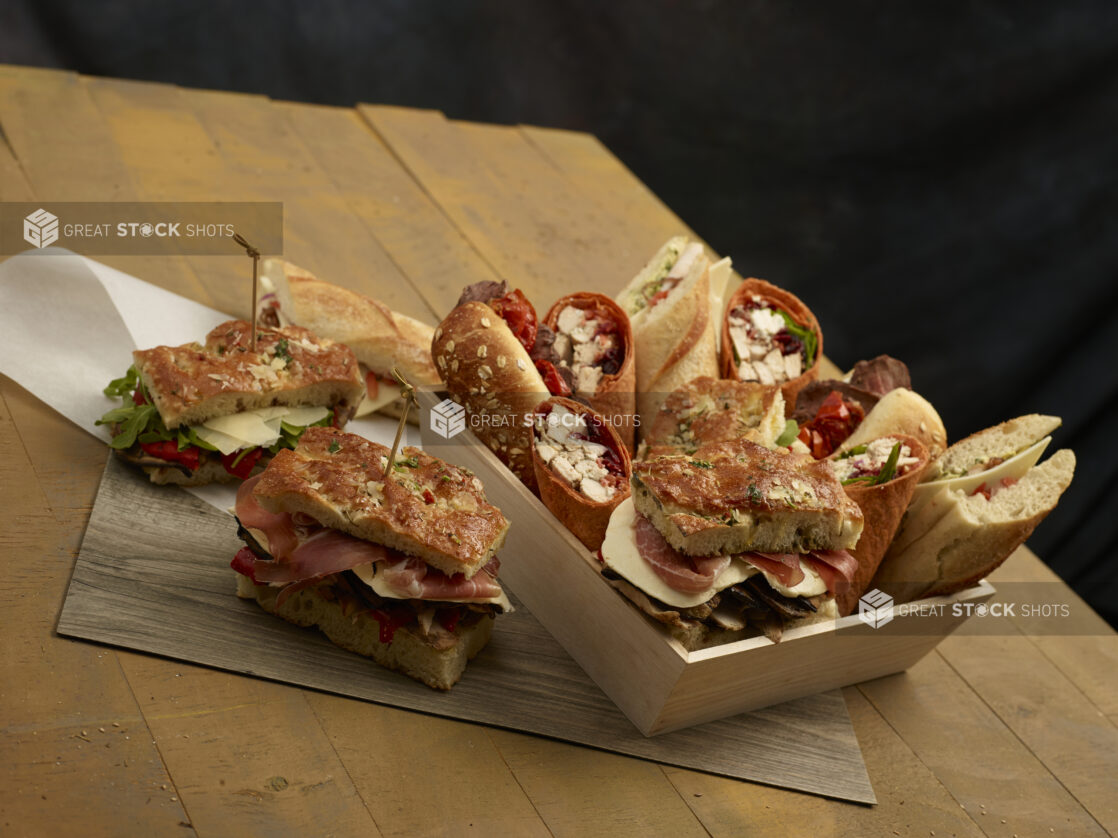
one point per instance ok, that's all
(489, 372)
(770, 336)
(669, 306)
(582, 467)
(880, 477)
(594, 339)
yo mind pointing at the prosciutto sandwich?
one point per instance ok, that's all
(400, 569)
(217, 412)
(731, 539)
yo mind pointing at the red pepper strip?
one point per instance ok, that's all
(245, 465)
(555, 383)
(169, 451)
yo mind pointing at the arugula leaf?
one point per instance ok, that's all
(810, 341)
(790, 432)
(131, 427)
(123, 386)
(887, 473)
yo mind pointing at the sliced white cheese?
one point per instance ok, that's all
(303, 416)
(367, 574)
(619, 550)
(255, 427)
(247, 426)
(386, 394)
(222, 442)
(1015, 467)
(811, 585)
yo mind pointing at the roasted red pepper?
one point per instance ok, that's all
(520, 316)
(835, 420)
(245, 465)
(169, 451)
(555, 383)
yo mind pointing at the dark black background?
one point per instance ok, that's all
(937, 181)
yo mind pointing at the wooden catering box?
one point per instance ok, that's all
(658, 684)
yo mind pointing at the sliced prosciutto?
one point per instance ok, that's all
(321, 553)
(836, 567)
(276, 526)
(687, 574)
(412, 578)
(784, 566)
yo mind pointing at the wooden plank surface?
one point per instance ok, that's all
(140, 585)
(70, 139)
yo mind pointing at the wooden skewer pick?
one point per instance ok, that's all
(255, 254)
(407, 393)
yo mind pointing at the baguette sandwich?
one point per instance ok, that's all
(379, 337)
(400, 569)
(669, 304)
(980, 500)
(730, 539)
(198, 414)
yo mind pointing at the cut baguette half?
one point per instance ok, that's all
(974, 535)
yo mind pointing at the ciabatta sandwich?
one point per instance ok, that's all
(401, 568)
(379, 337)
(198, 414)
(732, 538)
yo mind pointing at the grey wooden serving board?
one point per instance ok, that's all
(153, 575)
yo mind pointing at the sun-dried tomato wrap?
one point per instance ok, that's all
(594, 340)
(582, 467)
(770, 336)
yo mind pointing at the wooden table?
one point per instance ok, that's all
(989, 735)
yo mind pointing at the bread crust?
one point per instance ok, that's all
(707, 410)
(616, 396)
(799, 312)
(1000, 441)
(737, 496)
(491, 375)
(426, 508)
(378, 336)
(675, 340)
(901, 411)
(291, 366)
(585, 518)
(406, 653)
(883, 506)
(971, 536)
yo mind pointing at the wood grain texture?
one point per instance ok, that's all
(1084, 650)
(264, 160)
(138, 584)
(411, 228)
(909, 797)
(74, 749)
(67, 153)
(976, 757)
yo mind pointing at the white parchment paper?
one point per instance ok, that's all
(69, 326)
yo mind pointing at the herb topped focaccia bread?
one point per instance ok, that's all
(428, 508)
(708, 410)
(401, 567)
(196, 414)
(737, 496)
